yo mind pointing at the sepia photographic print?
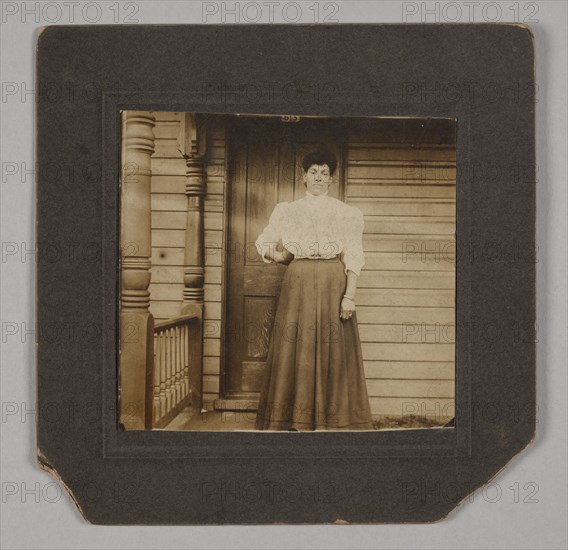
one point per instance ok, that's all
(286, 273)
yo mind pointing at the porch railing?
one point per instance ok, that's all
(172, 367)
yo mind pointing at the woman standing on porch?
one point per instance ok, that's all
(314, 378)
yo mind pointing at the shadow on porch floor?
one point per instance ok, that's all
(229, 421)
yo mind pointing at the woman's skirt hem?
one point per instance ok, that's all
(314, 375)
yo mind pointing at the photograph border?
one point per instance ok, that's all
(162, 444)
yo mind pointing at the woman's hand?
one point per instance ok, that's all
(348, 302)
(284, 256)
(347, 308)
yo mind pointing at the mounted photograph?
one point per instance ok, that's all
(286, 273)
(316, 288)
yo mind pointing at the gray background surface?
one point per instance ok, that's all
(524, 507)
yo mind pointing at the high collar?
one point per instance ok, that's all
(310, 196)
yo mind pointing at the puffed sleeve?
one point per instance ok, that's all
(353, 256)
(272, 234)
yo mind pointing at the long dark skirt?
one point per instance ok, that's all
(314, 378)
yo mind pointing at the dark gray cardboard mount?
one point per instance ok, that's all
(87, 74)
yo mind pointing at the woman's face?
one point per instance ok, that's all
(317, 179)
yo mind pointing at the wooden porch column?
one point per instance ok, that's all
(136, 321)
(193, 144)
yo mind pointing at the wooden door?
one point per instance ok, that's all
(264, 169)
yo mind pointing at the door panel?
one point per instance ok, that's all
(265, 168)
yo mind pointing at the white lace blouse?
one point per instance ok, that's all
(316, 226)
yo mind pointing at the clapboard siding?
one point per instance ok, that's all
(414, 332)
(169, 200)
(407, 279)
(402, 173)
(410, 244)
(214, 214)
(406, 297)
(406, 292)
(414, 370)
(393, 191)
(169, 207)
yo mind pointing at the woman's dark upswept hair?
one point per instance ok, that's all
(322, 155)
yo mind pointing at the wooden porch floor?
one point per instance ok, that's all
(229, 421)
